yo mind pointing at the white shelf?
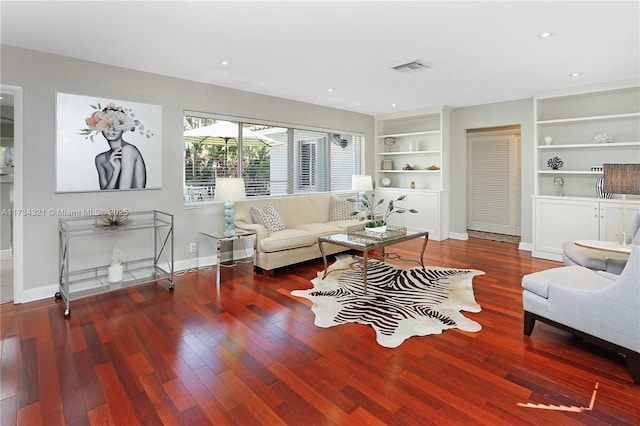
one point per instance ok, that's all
(591, 118)
(400, 135)
(409, 171)
(569, 172)
(590, 145)
(382, 154)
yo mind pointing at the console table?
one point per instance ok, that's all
(139, 269)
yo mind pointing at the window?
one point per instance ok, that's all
(273, 160)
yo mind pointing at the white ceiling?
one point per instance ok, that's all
(477, 52)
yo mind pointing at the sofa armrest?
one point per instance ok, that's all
(261, 231)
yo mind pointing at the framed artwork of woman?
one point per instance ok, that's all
(104, 144)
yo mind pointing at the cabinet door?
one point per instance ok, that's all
(611, 219)
(558, 221)
(426, 203)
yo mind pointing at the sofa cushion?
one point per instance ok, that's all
(344, 224)
(286, 239)
(341, 208)
(268, 217)
(319, 229)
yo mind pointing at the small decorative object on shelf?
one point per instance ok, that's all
(433, 168)
(413, 185)
(600, 188)
(115, 270)
(414, 146)
(386, 182)
(389, 143)
(113, 219)
(602, 138)
(407, 167)
(555, 163)
(387, 164)
(559, 183)
(548, 140)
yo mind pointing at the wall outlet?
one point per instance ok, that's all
(192, 247)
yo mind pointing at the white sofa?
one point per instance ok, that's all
(305, 218)
(594, 305)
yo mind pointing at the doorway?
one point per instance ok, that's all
(10, 193)
(493, 204)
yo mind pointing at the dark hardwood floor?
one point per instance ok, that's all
(250, 354)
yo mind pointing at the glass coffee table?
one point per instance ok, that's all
(365, 245)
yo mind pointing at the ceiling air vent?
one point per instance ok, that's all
(410, 67)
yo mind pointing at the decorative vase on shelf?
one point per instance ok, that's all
(555, 163)
(600, 189)
(548, 140)
(115, 270)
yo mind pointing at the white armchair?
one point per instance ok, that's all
(594, 305)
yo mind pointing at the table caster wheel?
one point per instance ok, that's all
(58, 295)
(172, 287)
(67, 313)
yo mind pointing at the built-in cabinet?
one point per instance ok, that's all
(558, 221)
(412, 159)
(584, 129)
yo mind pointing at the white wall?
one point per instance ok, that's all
(481, 116)
(42, 75)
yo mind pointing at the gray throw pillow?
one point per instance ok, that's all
(341, 209)
(268, 217)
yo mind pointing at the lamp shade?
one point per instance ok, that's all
(361, 183)
(229, 189)
(622, 178)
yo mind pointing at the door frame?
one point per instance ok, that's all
(18, 190)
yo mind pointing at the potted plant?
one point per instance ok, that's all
(369, 206)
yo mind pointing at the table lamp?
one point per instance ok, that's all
(361, 183)
(622, 178)
(229, 190)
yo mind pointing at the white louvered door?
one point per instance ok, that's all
(493, 183)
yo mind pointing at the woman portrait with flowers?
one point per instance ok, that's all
(122, 165)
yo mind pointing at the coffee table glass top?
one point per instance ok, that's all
(358, 241)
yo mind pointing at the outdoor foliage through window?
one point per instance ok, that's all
(273, 161)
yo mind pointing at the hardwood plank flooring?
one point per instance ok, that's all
(249, 353)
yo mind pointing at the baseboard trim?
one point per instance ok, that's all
(459, 236)
(525, 246)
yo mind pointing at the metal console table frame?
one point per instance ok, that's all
(94, 280)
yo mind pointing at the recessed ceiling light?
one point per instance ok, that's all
(394, 105)
(224, 63)
(329, 90)
(545, 34)
(575, 74)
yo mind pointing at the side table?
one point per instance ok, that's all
(247, 238)
(604, 245)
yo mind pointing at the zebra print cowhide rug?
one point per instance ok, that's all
(399, 303)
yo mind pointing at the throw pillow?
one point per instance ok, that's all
(341, 208)
(268, 217)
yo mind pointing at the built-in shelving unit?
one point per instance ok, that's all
(412, 160)
(573, 120)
